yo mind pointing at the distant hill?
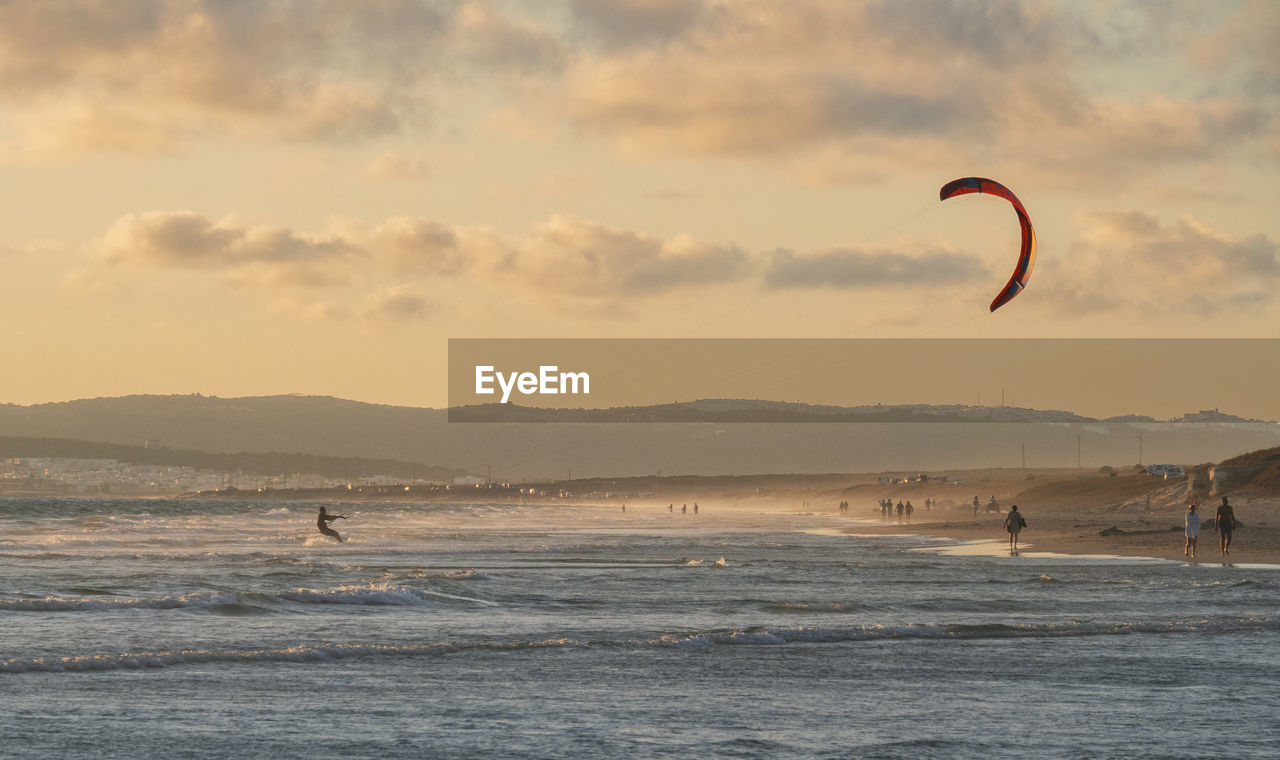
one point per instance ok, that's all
(752, 410)
(245, 462)
(333, 427)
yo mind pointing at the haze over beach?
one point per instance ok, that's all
(788, 305)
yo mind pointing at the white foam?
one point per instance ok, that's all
(61, 604)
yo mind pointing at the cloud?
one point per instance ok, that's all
(572, 256)
(497, 42)
(397, 304)
(868, 269)
(564, 256)
(757, 77)
(1062, 90)
(634, 22)
(148, 76)
(423, 247)
(1119, 263)
(565, 261)
(998, 33)
(1047, 89)
(1132, 261)
(1244, 49)
(256, 255)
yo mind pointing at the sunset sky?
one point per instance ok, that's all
(251, 198)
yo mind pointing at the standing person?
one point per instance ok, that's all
(1193, 531)
(1225, 522)
(1013, 523)
(323, 520)
(910, 509)
(900, 510)
(695, 507)
(684, 509)
(975, 506)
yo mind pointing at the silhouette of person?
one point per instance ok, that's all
(1193, 531)
(1013, 524)
(1225, 522)
(323, 520)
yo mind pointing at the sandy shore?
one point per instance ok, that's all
(1070, 513)
(1154, 537)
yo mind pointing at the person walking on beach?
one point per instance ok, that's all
(1193, 531)
(323, 520)
(1225, 522)
(900, 510)
(910, 509)
(1013, 523)
(975, 506)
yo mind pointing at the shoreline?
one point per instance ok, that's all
(1258, 544)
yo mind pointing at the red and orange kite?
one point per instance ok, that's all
(1027, 258)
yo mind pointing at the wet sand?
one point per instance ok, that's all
(1074, 513)
(1080, 535)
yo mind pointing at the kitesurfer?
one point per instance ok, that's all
(323, 520)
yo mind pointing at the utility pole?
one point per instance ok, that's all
(1078, 464)
(1024, 456)
(1139, 447)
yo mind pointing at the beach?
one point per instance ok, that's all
(1068, 510)
(1079, 514)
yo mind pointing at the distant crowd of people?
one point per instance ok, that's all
(903, 510)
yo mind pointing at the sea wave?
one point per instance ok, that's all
(843, 634)
(298, 654)
(61, 604)
(245, 602)
(305, 654)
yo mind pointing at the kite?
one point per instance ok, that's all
(1027, 257)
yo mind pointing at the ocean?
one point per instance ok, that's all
(224, 629)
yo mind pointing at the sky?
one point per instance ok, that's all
(252, 198)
